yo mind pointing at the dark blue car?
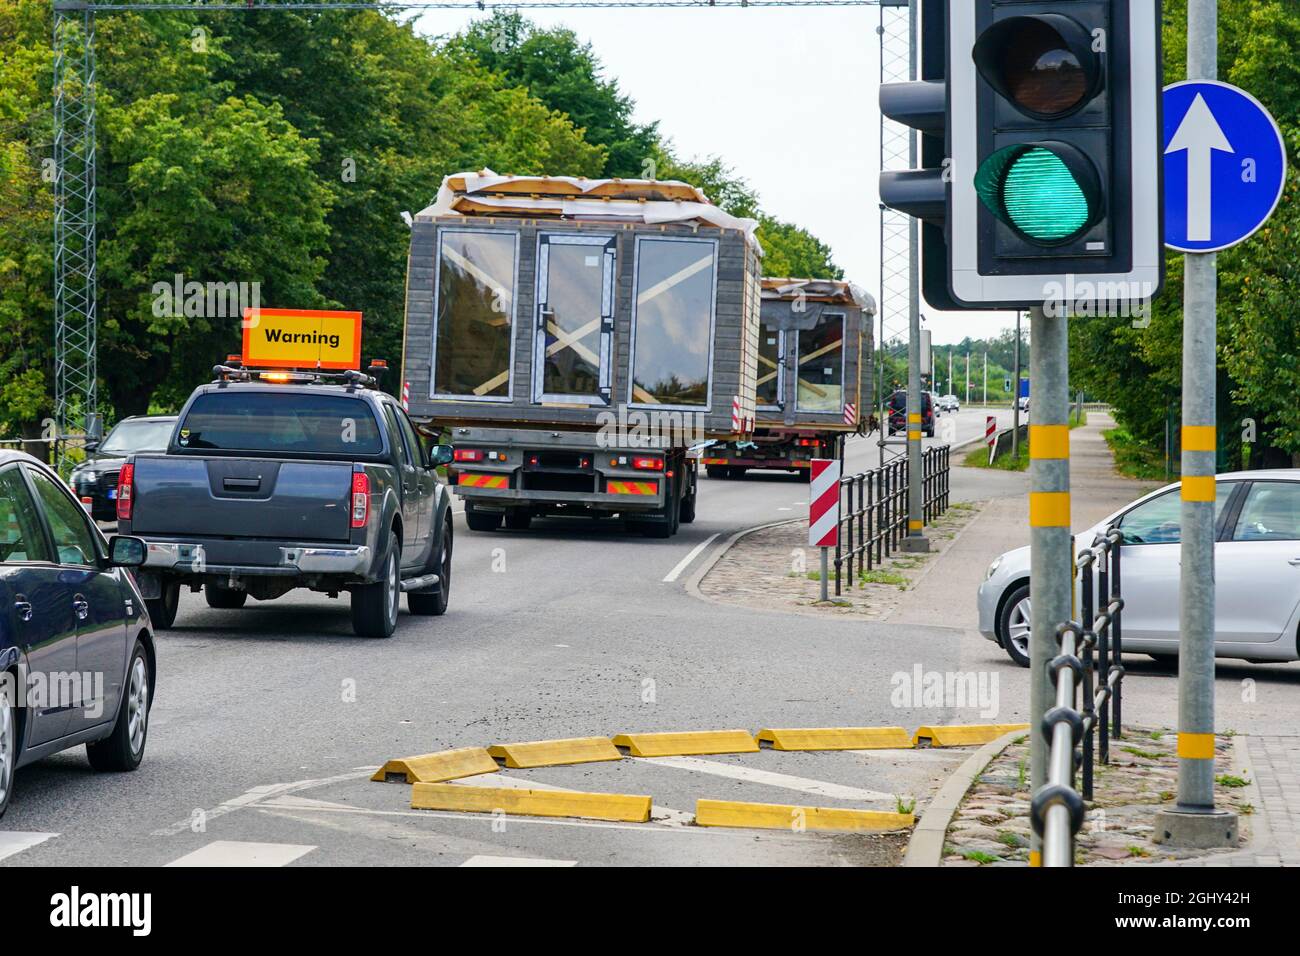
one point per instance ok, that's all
(77, 662)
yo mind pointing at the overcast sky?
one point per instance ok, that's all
(787, 97)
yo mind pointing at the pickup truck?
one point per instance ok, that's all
(279, 480)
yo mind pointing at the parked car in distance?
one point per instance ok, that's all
(1256, 565)
(95, 479)
(77, 663)
(948, 403)
(1023, 402)
(277, 480)
(896, 408)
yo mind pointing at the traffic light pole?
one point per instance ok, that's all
(1051, 557)
(915, 541)
(1194, 821)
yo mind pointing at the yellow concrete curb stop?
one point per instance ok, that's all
(621, 807)
(552, 753)
(963, 735)
(774, 816)
(433, 768)
(688, 743)
(836, 738)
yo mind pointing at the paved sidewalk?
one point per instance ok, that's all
(1095, 491)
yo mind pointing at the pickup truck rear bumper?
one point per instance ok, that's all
(254, 558)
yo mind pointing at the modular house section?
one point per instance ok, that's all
(547, 300)
(815, 354)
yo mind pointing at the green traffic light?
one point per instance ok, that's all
(1042, 198)
(1048, 193)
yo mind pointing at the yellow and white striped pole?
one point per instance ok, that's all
(1051, 556)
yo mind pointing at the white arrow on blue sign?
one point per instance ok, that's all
(1225, 165)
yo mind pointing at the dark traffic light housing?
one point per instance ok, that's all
(1046, 170)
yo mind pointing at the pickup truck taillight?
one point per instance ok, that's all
(125, 491)
(360, 499)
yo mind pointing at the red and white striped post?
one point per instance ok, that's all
(991, 435)
(406, 396)
(824, 512)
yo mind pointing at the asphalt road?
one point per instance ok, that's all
(268, 719)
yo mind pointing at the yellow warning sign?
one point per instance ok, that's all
(301, 338)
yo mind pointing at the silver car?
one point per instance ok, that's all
(1257, 573)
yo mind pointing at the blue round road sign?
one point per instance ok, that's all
(1225, 165)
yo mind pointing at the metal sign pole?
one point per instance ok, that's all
(1051, 557)
(1194, 821)
(915, 541)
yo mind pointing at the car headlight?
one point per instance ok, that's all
(997, 562)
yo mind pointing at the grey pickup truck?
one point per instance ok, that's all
(278, 480)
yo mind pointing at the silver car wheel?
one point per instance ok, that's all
(1018, 626)
(8, 749)
(137, 706)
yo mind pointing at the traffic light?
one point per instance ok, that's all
(1052, 153)
(923, 193)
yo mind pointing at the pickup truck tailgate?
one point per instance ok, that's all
(242, 498)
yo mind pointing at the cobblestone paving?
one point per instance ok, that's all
(774, 568)
(992, 828)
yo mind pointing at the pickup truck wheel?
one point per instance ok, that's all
(482, 520)
(224, 598)
(123, 749)
(162, 609)
(374, 606)
(435, 600)
(8, 750)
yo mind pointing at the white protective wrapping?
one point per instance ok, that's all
(479, 188)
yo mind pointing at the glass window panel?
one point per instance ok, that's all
(769, 365)
(72, 536)
(476, 300)
(821, 365)
(674, 318)
(21, 537)
(1159, 521)
(319, 424)
(575, 285)
(1271, 513)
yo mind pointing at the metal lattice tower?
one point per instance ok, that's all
(897, 151)
(75, 346)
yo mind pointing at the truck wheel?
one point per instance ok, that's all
(482, 520)
(652, 529)
(223, 598)
(123, 749)
(162, 610)
(374, 606)
(434, 601)
(688, 508)
(716, 472)
(736, 473)
(518, 519)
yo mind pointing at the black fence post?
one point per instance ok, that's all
(1103, 660)
(839, 531)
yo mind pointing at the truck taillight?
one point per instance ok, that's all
(125, 491)
(467, 454)
(648, 464)
(360, 499)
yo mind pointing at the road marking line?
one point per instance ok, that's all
(482, 860)
(237, 853)
(685, 562)
(256, 795)
(785, 781)
(15, 841)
